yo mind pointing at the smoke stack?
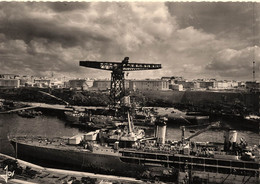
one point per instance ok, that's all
(230, 140)
(160, 129)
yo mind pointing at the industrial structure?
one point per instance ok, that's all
(117, 89)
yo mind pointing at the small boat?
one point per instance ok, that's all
(75, 116)
(253, 117)
(26, 114)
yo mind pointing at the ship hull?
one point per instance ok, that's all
(111, 162)
(81, 160)
(71, 118)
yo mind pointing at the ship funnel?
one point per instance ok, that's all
(130, 123)
(160, 129)
(230, 140)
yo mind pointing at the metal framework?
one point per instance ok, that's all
(117, 90)
(117, 86)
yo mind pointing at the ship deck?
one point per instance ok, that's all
(55, 143)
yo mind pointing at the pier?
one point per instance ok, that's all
(33, 105)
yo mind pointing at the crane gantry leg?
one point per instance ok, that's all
(117, 89)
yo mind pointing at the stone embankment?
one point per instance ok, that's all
(30, 173)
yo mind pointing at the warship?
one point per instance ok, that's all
(29, 113)
(128, 152)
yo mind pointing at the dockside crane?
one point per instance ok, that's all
(117, 87)
(210, 125)
(48, 94)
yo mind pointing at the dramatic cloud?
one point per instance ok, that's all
(236, 21)
(193, 40)
(236, 63)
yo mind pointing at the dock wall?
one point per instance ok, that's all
(251, 100)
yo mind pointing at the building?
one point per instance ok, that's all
(252, 85)
(166, 78)
(26, 81)
(232, 84)
(188, 84)
(9, 83)
(177, 78)
(23, 82)
(90, 82)
(101, 85)
(104, 85)
(221, 85)
(176, 87)
(8, 76)
(57, 84)
(172, 79)
(145, 85)
(42, 83)
(78, 84)
(207, 84)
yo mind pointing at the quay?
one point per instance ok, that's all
(61, 107)
(32, 105)
(63, 174)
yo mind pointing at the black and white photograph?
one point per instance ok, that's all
(128, 92)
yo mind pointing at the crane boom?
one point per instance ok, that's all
(201, 131)
(19, 109)
(103, 65)
(67, 103)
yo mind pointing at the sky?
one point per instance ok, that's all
(194, 40)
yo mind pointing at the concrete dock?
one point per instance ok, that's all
(32, 105)
(60, 173)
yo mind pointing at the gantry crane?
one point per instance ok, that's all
(117, 87)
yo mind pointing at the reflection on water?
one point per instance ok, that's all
(48, 126)
(52, 126)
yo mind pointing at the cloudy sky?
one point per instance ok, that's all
(193, 40)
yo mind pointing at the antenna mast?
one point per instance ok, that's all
(253, 28)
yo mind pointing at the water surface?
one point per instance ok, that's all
(54, 126)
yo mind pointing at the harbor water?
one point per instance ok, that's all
(55, 126)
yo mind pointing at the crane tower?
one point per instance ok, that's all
(117, 88)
